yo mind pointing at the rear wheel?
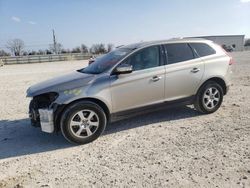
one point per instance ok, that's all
(83, 122)
(209, 97)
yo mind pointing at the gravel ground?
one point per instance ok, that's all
(171, 148)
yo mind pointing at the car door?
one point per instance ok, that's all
(184, 71)
(144, 86)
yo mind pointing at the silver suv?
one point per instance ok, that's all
(130, 80)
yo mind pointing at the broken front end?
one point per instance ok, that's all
(42, 111)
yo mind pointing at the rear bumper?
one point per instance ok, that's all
(228, 78)
(227, 89)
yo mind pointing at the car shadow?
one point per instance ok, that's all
(18, 138)
(169, 114)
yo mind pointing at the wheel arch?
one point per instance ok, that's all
(62, 108)
(218, 80)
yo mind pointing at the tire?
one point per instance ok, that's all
(209, 98)
(81, 119)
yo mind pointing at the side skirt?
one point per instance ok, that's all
(152, 108)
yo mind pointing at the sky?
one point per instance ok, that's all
(119, 22)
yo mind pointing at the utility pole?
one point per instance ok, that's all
(54, 42)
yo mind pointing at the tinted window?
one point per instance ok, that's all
(144, 59)
(202, 49)
(178, 52)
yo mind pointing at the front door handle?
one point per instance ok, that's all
(195, 70)
(155, 78)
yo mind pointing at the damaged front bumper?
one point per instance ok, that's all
(43, 118)
(46, 120)
(42, 112)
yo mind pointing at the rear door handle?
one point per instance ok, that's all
(195, 70)
(155, 78)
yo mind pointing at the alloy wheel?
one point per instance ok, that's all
(211, 98)
(84, 123)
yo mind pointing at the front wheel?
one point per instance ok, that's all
(83, 122)
(209, 98)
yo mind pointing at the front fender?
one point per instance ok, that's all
(99, 89)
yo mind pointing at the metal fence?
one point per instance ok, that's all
(44, 58)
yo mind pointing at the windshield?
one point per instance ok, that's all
(104, 63)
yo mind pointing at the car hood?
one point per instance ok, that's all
(61, 83)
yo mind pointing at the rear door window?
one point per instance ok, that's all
(202, 49)
(179, 52)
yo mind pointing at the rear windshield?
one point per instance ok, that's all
(202, 49)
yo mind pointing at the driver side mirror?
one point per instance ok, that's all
(123, 69)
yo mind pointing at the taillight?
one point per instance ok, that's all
(231, 61)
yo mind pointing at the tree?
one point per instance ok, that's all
(32, 53)
(65, 51)
(98, 49)
(84, 49)
(247, 43)
(110, 47)
(48, 52)
(3, 53)
(16, 46)
(40, 52)
(56, 49)
(76, 50)
(25, 53)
